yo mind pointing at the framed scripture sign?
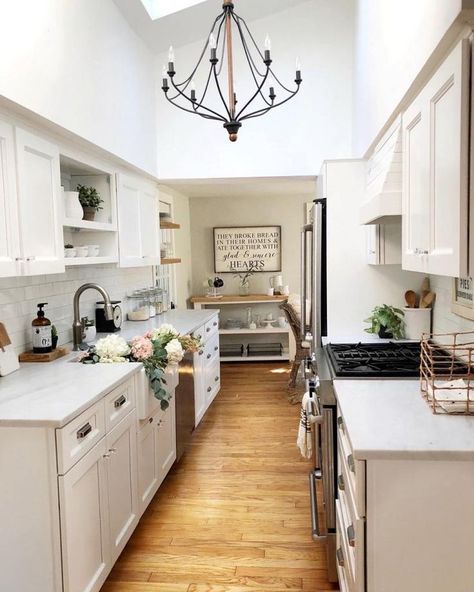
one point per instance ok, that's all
(239, 249)
(463, 298)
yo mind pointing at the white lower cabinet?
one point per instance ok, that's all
(156, 452)
(207, 375)
(403, 524)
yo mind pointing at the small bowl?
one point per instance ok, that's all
(82, 251)
(69, 253)
(93, 250)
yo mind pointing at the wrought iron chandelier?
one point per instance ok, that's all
(220, 43)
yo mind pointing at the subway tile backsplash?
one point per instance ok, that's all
(445, 321)
(19, 297)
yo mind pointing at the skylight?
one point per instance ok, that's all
(160, 8)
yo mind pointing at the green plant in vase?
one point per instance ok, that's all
(90, 201)
(244, 281)
(386, 322)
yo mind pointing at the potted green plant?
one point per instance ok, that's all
(54, 336)
(387, 322)
(90, 201)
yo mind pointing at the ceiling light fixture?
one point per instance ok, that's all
(220, 43)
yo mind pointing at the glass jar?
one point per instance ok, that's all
(139, 306)
(165, 301)
(151, 301)
(158, 300)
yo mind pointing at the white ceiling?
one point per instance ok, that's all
(248, 187)
(189, 24)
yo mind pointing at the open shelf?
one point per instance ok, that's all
(169, 225)
(283, 358)
(246, 331)
(169, 261)
(90, 226)
(75, 261)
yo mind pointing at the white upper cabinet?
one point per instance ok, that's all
(9, 237)
(435, 172)
(138, 215)
(40, 210)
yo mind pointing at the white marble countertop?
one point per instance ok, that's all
(52, 394)
(390, 419)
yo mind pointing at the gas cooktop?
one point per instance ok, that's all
(375, 359)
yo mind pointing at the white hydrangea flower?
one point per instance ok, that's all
(112, 349)
(164, 330)
(175, 352)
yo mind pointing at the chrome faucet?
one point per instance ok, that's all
(77, 328)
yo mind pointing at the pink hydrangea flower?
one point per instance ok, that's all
(141, 348)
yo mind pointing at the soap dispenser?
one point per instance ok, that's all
(42, 332)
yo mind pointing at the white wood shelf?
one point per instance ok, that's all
(91, 226)
(75, 261)
(283, 358)
(246, 331)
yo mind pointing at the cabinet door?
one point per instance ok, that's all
(373, 244)
(84, 524)
(150, 226)
(148, 478)
(122, 494)
(40, 209)
(447, 97)
(138, 217)
(416, 198)
(199, 386)
(9, 239)
(166, 440)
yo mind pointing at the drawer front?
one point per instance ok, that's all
(342, 560)
(351, 533)
(79, 436)
(355, 468)
(211, 349)
(119, 403)
(211, 327)
(200, 334)
(213, 379)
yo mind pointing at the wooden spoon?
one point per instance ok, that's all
(410, 299)
(425, 287)
(427, 300)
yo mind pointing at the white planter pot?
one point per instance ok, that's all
(417, 322)
(72, 205)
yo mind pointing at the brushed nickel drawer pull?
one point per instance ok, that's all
(351, 536)
(214, 323)
(216, 348)
(217, 379)
(340, 557)
(208, 330)
(150, 420)
(351, 463)
(209, 389)
(84, 431)
(120, 402)
(340, 483)
(201, 352)
(208, 356)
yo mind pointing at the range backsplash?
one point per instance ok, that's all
(19, 297)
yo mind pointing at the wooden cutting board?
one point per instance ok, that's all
(8, 360)
(50, 357)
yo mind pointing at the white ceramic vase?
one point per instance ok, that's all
(72, 205)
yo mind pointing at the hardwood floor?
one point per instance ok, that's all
(233, 515)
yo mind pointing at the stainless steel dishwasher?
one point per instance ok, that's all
(185, 413)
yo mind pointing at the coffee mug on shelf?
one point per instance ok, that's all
(270, 292)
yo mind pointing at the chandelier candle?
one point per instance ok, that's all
(220, 40)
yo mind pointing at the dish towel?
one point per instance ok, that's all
(304, 440)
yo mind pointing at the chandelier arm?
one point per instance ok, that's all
(195, 107)
(221, 118)
(250, 59)
(257, 92)
(220, 92)
(193, 112)
(251, 62)
(263, 111)
(221, 61)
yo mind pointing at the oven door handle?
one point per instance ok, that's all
(313, 413)
(314, 476)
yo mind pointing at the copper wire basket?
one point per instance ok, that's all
(447, 372)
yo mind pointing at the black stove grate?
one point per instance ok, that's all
(375, 359)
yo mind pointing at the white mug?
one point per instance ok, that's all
(270, 292)
(286, 290)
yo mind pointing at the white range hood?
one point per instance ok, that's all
(384, 180)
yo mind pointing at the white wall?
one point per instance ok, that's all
(292, 140)
(78, 64)
(394, 39)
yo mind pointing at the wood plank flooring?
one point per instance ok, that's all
(233, 515)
